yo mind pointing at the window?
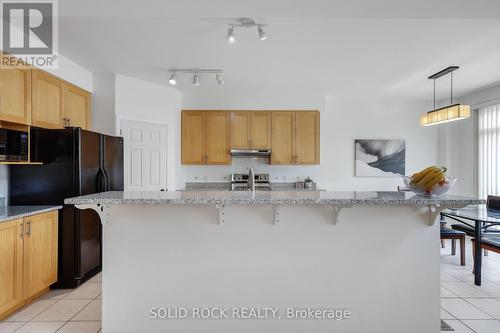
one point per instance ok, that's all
(489, 151)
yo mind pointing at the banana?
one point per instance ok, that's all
(434, 181)
(420, 175)
(431, 175)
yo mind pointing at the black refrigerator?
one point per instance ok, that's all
(75, 162)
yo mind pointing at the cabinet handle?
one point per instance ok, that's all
(28, 233)
(21, 234)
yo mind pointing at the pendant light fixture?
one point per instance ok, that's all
(449, 113)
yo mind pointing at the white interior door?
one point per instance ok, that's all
(145, 148)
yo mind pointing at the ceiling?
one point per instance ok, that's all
(352, 49)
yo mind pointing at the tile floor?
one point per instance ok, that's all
(464, 306)
(62, 311)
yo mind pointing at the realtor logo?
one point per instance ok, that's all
(29, 32)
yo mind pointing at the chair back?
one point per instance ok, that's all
(493, 202)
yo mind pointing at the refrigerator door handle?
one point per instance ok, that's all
(99, 180)
(107, 183)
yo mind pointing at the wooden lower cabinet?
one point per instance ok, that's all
(11, 265)
(28, 253)
(40, 271)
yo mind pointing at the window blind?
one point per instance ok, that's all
(489, 151)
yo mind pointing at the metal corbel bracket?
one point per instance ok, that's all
(276, 214)
(336, 212)
(221, 210)
(102, 211)
(435, 211)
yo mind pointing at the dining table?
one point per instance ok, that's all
(482, 219)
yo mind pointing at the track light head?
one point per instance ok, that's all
(196, 79)
(219, 78)
(230, 35)
(172, 79)
(262, 33)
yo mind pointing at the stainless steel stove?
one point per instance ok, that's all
(239, 182)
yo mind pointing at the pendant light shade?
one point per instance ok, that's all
(448, 113)
(445, 115)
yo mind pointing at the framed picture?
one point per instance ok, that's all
(380, 157)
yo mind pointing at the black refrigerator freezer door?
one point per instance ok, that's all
(90, 156)
(113, 162)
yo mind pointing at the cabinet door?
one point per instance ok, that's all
(77, 106)
(261, 130)
(15, 95)
(40, 252)
(240, 129)
(282, 137)
(192, 141)
(307, 137)
(217, 137)
(47, 102)
(11, 265)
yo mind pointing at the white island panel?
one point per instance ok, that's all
(380, 262)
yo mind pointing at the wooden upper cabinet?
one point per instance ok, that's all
(47, 100)
(11, 265)
(76, 107)
(15, 95)
(260, 137)
(282, 137)
(307, 137)
(193, 137)
(217, 137)
(40, 252)
(240, 129)
(208, 136)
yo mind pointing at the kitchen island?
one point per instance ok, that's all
(270, 261)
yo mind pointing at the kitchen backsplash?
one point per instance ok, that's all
(219, 173)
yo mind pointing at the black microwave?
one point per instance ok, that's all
(13, 145)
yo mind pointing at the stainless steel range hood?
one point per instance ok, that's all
(251, 152)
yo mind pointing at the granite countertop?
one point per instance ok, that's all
(8, 213)
(226, 186)
(268, 198)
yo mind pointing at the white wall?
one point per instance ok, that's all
(342, 121)
(149, 102)
(103, 104)
(457, 142)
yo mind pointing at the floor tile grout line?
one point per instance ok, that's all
(31, 320)
(479, 308)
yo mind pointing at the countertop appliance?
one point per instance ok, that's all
(239, 182)
(13, 145)
(75, 162)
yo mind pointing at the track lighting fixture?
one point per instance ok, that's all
(196, 74)
(245, 22)
(172, 80)
(230, 35)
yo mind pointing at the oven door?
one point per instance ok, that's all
(13, 145)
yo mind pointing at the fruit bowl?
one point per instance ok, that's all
(435, 190)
